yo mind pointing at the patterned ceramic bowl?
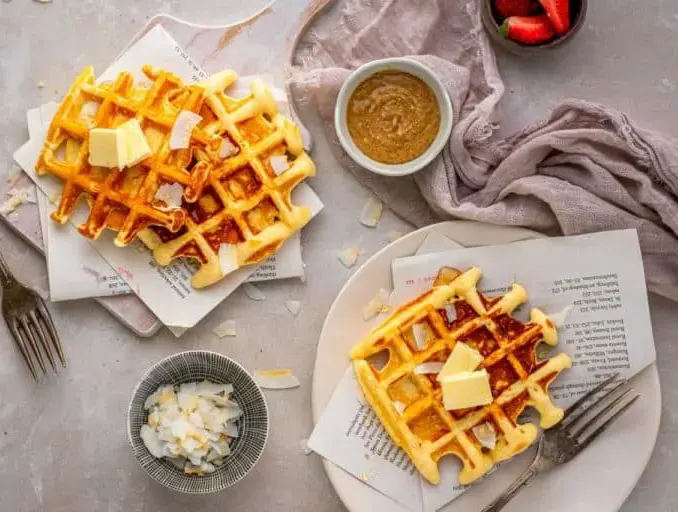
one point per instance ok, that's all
(193, 366)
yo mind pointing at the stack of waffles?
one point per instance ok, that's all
(236, 169)
(410, 405)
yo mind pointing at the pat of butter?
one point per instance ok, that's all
(466, 389)
(136, 145)
(106, 148)
(462, 359)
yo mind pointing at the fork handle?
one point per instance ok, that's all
(525, 478)
(6, 277)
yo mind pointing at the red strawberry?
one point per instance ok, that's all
(528, 29)
(558, 12)
(508, 8)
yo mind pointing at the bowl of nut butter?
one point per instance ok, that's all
(393, 116)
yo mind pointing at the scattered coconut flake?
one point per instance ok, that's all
(171, 194)
(89, 109)
(486, 435)
(27, 194)
(430, 367)
(421, 335)
(349, 256)
(184, 124)
(394, 235)
(450, 313)
(252, 291)
(376, 305)
(40, 84)
(400, 407)
(559, 318)
(10, 205)
(293, 306)
(279, 164)
(306, 137)
(13, 176)
(224, 329)
(17, 198)
(276, 379)
(227, 258)
(371, 212)
(304, 447)
(228, 148)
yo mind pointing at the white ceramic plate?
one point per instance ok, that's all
(600, 479)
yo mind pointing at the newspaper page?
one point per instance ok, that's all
(74, 269)
(167, 290)
(607, 325)
(364, 449)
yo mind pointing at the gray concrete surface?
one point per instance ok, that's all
(63, 445)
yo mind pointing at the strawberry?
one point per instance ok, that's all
(508, 8)
(558, 12)
(528, 29)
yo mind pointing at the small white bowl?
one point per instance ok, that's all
(408, 66)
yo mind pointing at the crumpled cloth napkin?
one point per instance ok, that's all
(585, 168)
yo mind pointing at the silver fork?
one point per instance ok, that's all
(29, 321)
(563, 442)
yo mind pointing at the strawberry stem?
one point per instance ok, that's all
(504, 29)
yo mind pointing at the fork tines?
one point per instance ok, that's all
(589, 422)
(35, 334)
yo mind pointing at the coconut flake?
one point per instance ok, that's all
(559, 318)
(228, 260)
(13, 176)
(430, 367)
(224, 329)
(304, 447)
(252, 291)
(89, 110)
(450, 313)
(276, 379)
(400, 407)
(421, 335)
(186, 428)
(371, 213)
(17, 198)
(152, 442)
(228, 148)
(293, 306)
(41, 84)
(182, 129)
(349, 256)
(486, 435)
(394, 235)
(171, 194)
(279, 164)
(376, 305)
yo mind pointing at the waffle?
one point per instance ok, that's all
(123, 199)
(244, 204)
(423, 428)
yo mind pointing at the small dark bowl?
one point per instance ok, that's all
(192, 366)
(490, 19)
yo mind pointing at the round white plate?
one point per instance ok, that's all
(600, 479)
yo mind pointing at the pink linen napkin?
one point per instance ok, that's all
(585, 168)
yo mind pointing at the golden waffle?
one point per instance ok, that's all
(424, 429)
(122, 200)
(244, 204)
